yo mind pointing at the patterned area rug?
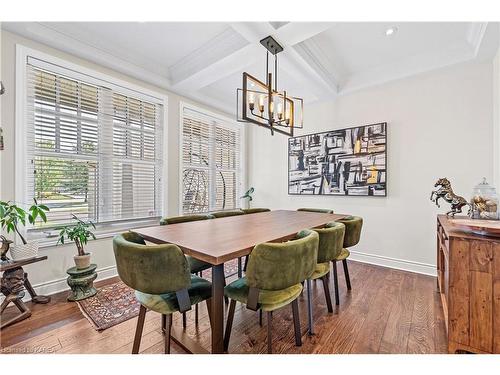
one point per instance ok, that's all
(116, 303)
(113, 304)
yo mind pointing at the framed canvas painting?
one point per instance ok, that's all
(351, 161)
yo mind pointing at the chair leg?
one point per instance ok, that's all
(138, 330)
(184, 320)
(336, 282)
(296, 322)
(309, 308)
(270, 332)
(240, 268)
(246, 262)
(260, 318)
(226, 299)
(163, 323)
(209, 309)
(327, 293)
(168, 333)
(229, 324)
(346, 273)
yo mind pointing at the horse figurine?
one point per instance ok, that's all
(446, 192)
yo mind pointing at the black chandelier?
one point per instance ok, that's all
(263, 104)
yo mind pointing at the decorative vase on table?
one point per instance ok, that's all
(484, 201)
(24, 250)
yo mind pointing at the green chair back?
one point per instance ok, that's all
(353, 225)
(254, 210)
(151, 269)
(277, 266)
(331, 241)
(184, 219)
(220, 214)
(321, 210)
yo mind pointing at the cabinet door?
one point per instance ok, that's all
(459, 291)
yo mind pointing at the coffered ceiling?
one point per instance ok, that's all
(204, 60)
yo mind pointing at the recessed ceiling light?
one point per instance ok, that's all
(391, 31)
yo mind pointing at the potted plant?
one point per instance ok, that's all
(248, 195)
(79, 233)
(12, 216)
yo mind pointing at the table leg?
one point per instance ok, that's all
(218, 308)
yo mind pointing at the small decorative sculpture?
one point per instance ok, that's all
(446, 192)
(4, 248)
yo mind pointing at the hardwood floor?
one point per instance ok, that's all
(387, 311)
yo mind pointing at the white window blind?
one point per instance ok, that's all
(211, 168)
(92, 151)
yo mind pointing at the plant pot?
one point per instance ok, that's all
(82, 261)
(24, 251)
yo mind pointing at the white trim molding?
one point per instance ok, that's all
(399, 264)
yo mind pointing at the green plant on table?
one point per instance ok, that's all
(79, 233)
(12, 216)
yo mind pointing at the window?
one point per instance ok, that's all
(211, 167)
(93, 148)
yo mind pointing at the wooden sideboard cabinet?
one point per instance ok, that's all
(468, 268)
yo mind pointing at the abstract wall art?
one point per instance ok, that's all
(350, 162)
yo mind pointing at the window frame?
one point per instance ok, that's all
(243, 143)
(91, 76)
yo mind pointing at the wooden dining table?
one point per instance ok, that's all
(220, 240)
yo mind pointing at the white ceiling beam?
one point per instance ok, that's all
(291, 61)
(219, 47)
(296, 32)
(220, 69)
(315, 58)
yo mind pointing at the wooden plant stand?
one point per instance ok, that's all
(13, 284)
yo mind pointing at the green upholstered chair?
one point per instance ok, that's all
(274, 279)
(331, 239)
(321, 210)
(254, 210)
(196, 266)
(228, 213)
(160, 276)
(353, 225)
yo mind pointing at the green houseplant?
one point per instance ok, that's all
(12, 217)
(248, 196)
(79, 233)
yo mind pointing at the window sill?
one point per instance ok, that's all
(109, 231)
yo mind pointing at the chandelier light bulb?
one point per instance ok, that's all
(261, 103)
(251, 101)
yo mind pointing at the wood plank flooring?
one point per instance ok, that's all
(387, 311)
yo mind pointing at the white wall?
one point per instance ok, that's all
(440, 124)
(496, 120)
(49, 276)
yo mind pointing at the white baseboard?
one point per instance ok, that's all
(60, 285)
(399, 264)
